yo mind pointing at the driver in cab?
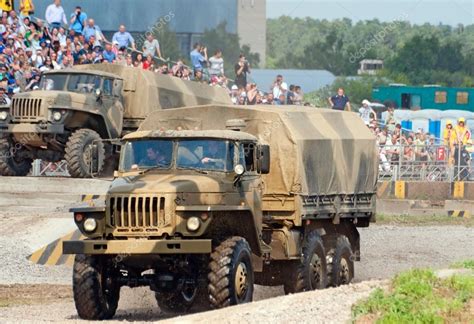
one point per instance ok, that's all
(214, 155)
(154, 157)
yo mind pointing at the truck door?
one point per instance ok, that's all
(251, 184)
(112, 102)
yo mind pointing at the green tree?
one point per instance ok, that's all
(418, 55)
(415, 54)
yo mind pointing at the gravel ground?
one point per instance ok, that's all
(324, 306)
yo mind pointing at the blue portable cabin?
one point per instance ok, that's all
(425, 97)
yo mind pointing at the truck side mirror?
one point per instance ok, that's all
(263, 159)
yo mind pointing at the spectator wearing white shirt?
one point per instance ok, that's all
(55, 15)
(366, 111)
(151, 46)
(216, 64)
(279, 87)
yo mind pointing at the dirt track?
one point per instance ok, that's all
(386, 250)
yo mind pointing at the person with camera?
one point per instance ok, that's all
(242, 68)
(279, 87)
(78, 20)
(198, 57)
(55, 15)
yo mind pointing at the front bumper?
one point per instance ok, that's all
(29, 128)
(131, 247)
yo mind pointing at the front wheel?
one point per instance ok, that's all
(79, 153)
(231, 276)
(11, 162)
(96, 293)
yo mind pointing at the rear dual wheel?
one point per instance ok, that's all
(340, 262)
(310, 272)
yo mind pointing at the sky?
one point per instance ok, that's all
(450, 12)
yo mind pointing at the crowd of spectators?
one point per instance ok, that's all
(30, 45)
(416, 148)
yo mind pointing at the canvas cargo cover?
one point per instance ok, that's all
(313, 151)
(146, 91)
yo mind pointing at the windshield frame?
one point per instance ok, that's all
(68, 77)
(174, 163)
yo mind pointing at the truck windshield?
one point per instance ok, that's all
(213, 155)
(85, 83)
(142, 155)
(53, 82)
(208, 154)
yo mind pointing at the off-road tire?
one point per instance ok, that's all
(231, 260)
(93, 301)
(340, 263)
(308, 273)
(177, 302)
(75, 152)
(9, 165)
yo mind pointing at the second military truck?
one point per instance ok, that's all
(210, 200)
(75, 109)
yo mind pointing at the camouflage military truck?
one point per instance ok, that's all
(209, 200)
(76, 108)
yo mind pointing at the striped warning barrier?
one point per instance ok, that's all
(52, 254)
(87, 198)
(459, 213)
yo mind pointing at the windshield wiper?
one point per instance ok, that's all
(158, 167)
(195, 169)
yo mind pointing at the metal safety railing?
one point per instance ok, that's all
(431, 162)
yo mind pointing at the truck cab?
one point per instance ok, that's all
(70, 110)
(183, 201)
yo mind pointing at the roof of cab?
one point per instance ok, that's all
(75, 71)
(216, 134)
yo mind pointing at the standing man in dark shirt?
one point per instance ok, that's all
(242, 67)
(340, 101)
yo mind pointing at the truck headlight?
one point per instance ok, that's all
(90, 225)
(57, 116)
(3, 115)
(193, 224)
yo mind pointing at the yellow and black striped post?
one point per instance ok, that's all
(459, 213)
(52, 254)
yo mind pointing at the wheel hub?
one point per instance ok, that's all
(241, 280)
(189, 291)
(344, 272)
(315, 269)
(87, 154)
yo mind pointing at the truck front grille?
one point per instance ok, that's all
(25, 108)
(138, 213)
